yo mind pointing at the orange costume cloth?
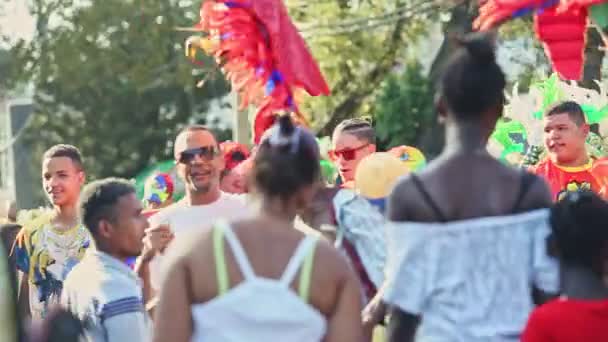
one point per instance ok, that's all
(591, 176)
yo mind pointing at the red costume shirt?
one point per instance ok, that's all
(591, 176)
(568, 321)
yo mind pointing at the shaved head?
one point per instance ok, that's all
(191, 137)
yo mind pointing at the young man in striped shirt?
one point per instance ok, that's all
(102, 290)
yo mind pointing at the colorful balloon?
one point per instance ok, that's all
(158, 189)
(167, 167)
(377, 174)
(412, 157)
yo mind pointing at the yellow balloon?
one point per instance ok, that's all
(377, 174)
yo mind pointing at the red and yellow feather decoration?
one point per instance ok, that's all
(560, 24)
(261, 54)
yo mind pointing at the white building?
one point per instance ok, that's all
(16, 179)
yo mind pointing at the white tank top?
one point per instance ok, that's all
(259, 309)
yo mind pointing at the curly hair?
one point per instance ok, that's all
(578, 224)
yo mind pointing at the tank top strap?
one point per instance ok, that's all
(237, 249)
(428, 199)
(302, 257)
(221, 270)
(306, 274)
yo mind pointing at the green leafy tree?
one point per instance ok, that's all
(357, 44)
(111, 78)
(404, 107)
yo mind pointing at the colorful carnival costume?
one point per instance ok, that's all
(46, 255)
(562, 180)
(262, 55)
(560, 24)
(518, 138)
(234, 154)
(148, 186)
(158, 191)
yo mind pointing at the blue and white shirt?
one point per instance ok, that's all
(362, 225)
(107, 295)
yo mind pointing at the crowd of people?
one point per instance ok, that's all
(260, 249)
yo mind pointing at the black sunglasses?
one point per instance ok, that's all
(206, 152)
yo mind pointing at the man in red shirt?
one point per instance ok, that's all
(568, 167)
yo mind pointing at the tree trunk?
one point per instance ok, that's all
(352, 103)
(594, 56)
(460, 22)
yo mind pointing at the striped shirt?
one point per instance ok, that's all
(106, 294)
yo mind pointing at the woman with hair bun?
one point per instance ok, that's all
(466, 241)
(579, 240)
(260, 279)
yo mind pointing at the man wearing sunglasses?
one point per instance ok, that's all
(352, 140)
(199, 164)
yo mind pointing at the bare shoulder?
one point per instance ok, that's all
(334, 263)
(538, 195)
(532, 189)
(403, 198)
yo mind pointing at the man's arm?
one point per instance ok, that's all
(374, 312)
(156, 241)
(142, 268)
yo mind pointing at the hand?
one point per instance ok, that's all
(372, 315)
(156, 240)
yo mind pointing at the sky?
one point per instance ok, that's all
(15, 20)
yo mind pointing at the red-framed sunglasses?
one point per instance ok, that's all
(206, 152)
(347, 153)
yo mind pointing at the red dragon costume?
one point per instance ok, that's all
(262, 55)
(560, 24)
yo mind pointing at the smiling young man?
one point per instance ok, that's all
(568, 166)
(352, 140)
(199, 165)
(50, 244)
(101, 290)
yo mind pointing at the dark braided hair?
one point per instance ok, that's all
(287, 160)
(578, 224)
(472, 81)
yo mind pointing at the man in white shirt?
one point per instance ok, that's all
(199, 165)
(102, 290)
